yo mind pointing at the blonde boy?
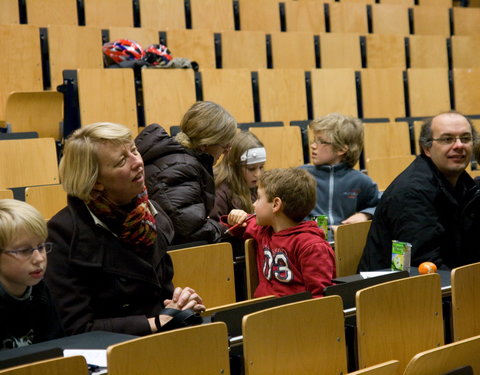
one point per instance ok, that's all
(292, 254)
(27, 313)
(344, 194)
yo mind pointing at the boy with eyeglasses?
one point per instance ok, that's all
(344, 194)
(433, 204)
(27, 312)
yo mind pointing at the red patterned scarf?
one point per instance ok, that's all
(134, 224)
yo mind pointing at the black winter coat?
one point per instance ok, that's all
(181, 182)
(29, 320)
(101, 283)
(423, 208)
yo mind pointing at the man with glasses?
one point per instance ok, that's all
(434, 204)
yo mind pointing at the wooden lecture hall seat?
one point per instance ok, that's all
(216, 288)
(398, 319)
(199, 349)
(177, 94)
(217, 87)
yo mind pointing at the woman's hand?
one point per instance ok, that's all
(184, 299)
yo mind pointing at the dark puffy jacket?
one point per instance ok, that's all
(181, 181)
(421, 207)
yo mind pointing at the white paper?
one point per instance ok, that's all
(96, 357)
(367, 275)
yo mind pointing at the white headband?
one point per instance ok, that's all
(254, 155)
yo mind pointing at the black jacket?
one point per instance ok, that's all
(29, 320)
(423, 208)
(101, 283)
(181, 181)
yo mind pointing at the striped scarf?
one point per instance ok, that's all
(134, 224)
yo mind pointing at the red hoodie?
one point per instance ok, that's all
(292, 260)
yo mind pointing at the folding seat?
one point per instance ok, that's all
(214, 15)
(162, 14)
(167, 95)
(22, 67)
(305, 16)
(196, 45)
(348, 17)
(282, 95)
(466, 21)
(232, 89)
(108, 13)
(382, 93)
(333, 90)
(52, 12)
(465, 51)
(340, 50)
(428, 51)
(428, 20)
(293, 50)
(385, 51)
(73, 47)
(9, 12)
(259, 15)
(428, 91)
(243, 49)
(390, 19)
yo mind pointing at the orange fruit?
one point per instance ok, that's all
(427, 267)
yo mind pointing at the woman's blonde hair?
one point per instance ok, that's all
(17, 215)
(342, 131)
(206, 124)
(79, 166)
(229, 170)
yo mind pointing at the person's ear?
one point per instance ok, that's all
(426, 151)
(277, 204)
(342, 151)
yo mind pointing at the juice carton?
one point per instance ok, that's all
(401, 254)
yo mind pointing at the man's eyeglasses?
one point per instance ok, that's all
(320, 141)
(26, 253)
(450, 140)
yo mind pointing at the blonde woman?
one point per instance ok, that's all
(179, 171)
(109, 269)
(237, 175)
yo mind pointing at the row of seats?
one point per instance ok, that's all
(69, 47)
(282, 93)
(22, 71)
(311, 335)
(402, 17)
(205, 347)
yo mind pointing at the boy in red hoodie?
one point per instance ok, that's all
(292, 254)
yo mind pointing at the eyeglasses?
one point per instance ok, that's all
(26, 253)
(320, 141)
(450, 140)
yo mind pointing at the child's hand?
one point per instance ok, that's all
(237, 217)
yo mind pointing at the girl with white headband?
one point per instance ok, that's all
(237, 174)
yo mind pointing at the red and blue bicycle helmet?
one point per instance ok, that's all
(122, 50)
(157, 54)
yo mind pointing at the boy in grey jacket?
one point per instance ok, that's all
(344, 194)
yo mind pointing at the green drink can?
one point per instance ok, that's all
(322, 222)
